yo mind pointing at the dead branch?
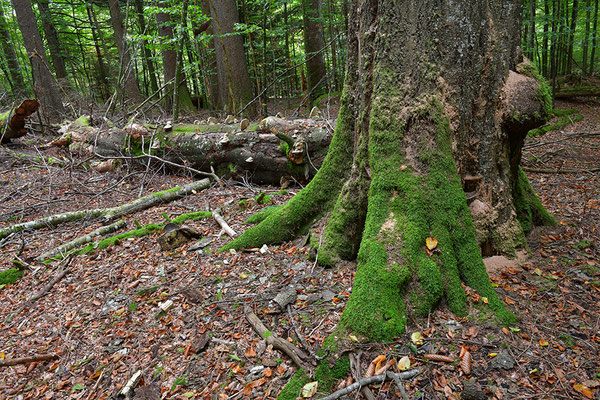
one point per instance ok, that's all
(103, 230)
(356, 374)
(112, 212)
(221, 221)
(58, 277)
(28, 360)
(372, 379)
(560, 171)
(278, 343)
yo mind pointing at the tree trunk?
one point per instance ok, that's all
(139, 6)
(127, 76)
(545, 48)
(44, 86)
(169, 57)
(313, 45)
(56, 52)
(97, 37)
(235, 88)
(16, 79)
(572, 36)
(594, 37)
(421, 143)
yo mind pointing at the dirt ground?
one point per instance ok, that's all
(104, 323)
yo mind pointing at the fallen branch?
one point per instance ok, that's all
(278, 343)
(560, 171)
(372, 379)
(221, 221)
(28, 360)
(109, 213)
(356, 374)
(103, 230)
(58, 277)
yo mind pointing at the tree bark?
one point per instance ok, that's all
(169, 57)
(56, 52)
(9, 55)
(127, 76)
(44, 86)
(139, 6)
(97, 38)
(235, 88)
(435, 108)
(313, 45)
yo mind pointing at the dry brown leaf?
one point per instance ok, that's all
(584, 390)
(250, 353)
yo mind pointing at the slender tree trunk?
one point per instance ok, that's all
(420, 124)
(545, 48)
(235, 88)
(572, 35)
(45, 86)
(16, 79)
(56, 52)
(332, 38)
(139, 6)
(127, 76)
(102, 75)
(211, 79)
(586, 39)
(594, 38)
(531, 44)
(313, 46)
(169, 57)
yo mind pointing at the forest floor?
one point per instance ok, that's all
(103, 320)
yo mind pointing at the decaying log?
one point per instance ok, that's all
(573, 91)
(264, 152)
(12, 122)
(278, 343)
(103, 230)
(111, 213)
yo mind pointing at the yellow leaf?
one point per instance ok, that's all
(404, 363)
(243, 275)
(431, 243)
(485, 300)
(538, 271)
(353, 338)
(492, 355)
(2, 356)
(417, 338)
(584, 390)
(310, 389)
(543, 342)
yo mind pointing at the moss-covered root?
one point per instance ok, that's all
(312, 201)
(530, 210)
(412, 199)
(262, 214)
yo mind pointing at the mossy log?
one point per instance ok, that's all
(108, 214)
(12, 123)
(256, 152)
(573, 91)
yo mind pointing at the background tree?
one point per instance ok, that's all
(420, 124)
(51, 34)
(313, 45)
(14, 76)
(235, 89)
(45, 86)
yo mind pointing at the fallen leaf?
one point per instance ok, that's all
(404, 363)
(250, 353)
(584, 390)
(543, 342)
(417, 338)
(431, 243)
(310, 389)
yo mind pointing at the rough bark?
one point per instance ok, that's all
(56, 52)
(44, 86)
(97, 38)
(139, 6)
(169, 57)
(235, 88)
(313, 45)
(9, 56)
(127, 77)
(431, 123)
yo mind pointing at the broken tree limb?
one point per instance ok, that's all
(372, 379)
(80, 241)
(573, 91)
(12, 122)
(221, 221)
(110, 213)
(64, 270)
(278, 343)
(28, 360)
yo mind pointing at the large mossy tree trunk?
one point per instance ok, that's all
(436, 104)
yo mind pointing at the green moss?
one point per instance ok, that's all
(262, 214)
(566, 117)
(529, 208)
(584, 244)
(315, 199)
(262, 198)
(293, 389)
(317, 102)
(284, 148)
(84, 120)
(10, 276)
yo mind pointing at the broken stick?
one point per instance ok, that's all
(372, 379)
(28, 360)
(221, 221)
(278, 343)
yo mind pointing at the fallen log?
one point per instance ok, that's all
(263, 152)
(13, 121)
(28, 360)
(111, 213)
(573, 91)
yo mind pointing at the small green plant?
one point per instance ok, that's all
(133, 306)
(181, 381)
(584, 244)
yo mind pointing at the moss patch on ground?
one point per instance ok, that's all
(10, 276)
